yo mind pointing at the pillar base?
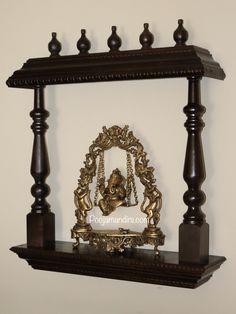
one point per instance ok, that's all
(194, 243)
(41, 230)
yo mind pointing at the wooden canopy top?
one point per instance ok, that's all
(173, 62)
(145, 63)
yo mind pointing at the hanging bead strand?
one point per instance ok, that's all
(100, 176)
(128, 185)
(130, 182)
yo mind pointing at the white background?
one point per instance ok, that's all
(153, 109)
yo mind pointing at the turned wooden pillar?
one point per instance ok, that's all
(40, 221)
(194, 231)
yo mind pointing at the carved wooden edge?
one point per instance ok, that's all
(140, 266)
(168, 62)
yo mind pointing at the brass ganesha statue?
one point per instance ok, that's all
(116, 193)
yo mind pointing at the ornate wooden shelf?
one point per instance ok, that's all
(192, 265)
(135, 265)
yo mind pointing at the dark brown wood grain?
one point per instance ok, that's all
(194, 231)
(134, 265)
(40, 221)
(171, 62)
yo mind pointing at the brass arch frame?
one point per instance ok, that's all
(124, 139)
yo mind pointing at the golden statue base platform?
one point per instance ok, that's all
(113, 241)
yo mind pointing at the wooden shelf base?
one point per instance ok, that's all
(134, 265)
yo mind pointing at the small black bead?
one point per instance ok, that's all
(180, 34)
(146, 39)
(54, 46)
(114, 41)
(83, 44)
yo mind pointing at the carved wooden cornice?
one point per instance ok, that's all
(172, 62)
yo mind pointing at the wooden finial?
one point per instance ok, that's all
(83, 44)
(180, 34)
(54, 46)
(114, 41)
(146, 38)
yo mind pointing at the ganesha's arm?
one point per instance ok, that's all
(102, 187)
